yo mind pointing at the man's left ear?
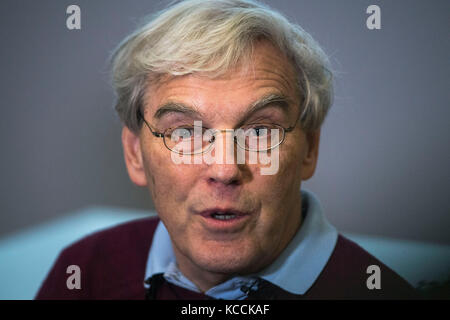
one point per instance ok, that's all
(311, 154)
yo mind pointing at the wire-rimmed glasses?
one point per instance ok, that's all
(193, 139)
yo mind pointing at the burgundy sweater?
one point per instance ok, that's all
(113, 263)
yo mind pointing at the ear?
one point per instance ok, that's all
(133, 157)
(311, 154)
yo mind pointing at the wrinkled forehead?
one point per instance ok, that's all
(266, 71)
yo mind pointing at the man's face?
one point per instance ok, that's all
(267, 207)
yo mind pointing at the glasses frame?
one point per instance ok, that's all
(163, 135)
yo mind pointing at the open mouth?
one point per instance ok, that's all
(223, 215)
(226, 220)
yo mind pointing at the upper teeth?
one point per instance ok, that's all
(223, 216)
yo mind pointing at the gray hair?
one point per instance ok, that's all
(210, 37)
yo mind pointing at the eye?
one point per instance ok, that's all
(257, 130)
(184, 132)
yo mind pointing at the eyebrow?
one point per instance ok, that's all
(272, 99)
(175, 107)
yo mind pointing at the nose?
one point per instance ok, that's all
(224, 170)
(224, 174)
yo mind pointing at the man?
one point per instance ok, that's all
(222, 103)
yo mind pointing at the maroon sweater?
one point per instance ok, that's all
(113, 263)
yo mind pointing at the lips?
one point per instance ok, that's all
(222, 213)
(223, 219)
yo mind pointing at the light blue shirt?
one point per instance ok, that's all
(295, 270)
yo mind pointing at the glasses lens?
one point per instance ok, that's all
(186, 139)
(259, 137)
(191, 139)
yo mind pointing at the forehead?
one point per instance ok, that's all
(268, 71)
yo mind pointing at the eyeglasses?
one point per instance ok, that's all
(195, 139)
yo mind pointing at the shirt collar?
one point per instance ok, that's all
(295, 270)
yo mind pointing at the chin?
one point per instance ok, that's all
(227, 259)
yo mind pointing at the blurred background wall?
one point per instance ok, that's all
(384, 156)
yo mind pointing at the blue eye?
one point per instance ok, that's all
(185, 132)
(258, 130)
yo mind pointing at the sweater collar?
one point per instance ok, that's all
(295, 270)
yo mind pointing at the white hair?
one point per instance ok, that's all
(211, 37)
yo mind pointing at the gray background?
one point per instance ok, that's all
(384, 155)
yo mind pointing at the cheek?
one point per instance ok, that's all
(288, 176)
(279, 194)
(170, 183)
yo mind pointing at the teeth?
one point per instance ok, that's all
(223, 216)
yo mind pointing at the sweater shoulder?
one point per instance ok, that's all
(346, 276)
(111, 261)
(131, 235)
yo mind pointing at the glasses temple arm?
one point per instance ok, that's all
(156, 134)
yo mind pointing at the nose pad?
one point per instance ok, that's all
(223, 152)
